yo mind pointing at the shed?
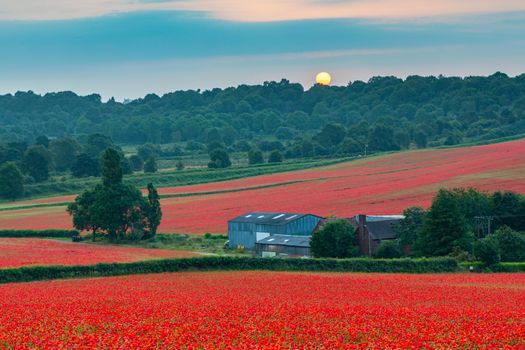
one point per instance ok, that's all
(251, 227)
(284, 245)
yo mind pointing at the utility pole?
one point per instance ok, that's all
(366, 146)
(481, 219)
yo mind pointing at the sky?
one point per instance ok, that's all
(129, 48)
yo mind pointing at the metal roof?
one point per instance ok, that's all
(381, 229)
(268, 218)
(291, 241)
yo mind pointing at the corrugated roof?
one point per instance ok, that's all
(268, 218)
(291, 241)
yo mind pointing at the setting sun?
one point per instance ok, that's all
(323, 78)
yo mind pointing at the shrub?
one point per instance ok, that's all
(487, 250)
(388, 250)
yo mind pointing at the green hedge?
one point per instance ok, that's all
(35, 273)
(509, 267)
(38, 233)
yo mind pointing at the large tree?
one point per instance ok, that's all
(111, 167)
(335, 239)
(153, 211)
(11, 181)
(445, 227)
(36, 162)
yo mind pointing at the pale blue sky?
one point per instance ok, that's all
(128, 54)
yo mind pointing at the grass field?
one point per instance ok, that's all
(16, 252)
(376, 185)
(267, 310)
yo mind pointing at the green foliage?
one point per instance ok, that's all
(153, 211)
(445, 227)
(407, 229)
(509, 208)
(150, 166)
(255, 156)
(335, 239)
(11, 181)
(180, 165)
(275, 157)
(111, 168)
(85, 166)
(36, 163)
(83, 212)
(331, 135)
(487, 250)
(511, 244)
(388, 250)
(219, 158)
(136, 162)
(64, 152)
(38, 233)
(36, 273)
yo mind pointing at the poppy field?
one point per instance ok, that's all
(16, 252)
(377, 185)
(267, 310)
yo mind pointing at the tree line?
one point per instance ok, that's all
(384, 113)
(462, 223)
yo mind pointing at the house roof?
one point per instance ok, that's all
(269, 218)
(286, 240)
(381, 229)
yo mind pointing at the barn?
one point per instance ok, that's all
(284, 245)
(247, 229)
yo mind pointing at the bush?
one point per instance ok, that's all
(388, 250)
(487, 250)
(511, 243)
(335, 240)
(275, 157)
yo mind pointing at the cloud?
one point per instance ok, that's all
(258, 10)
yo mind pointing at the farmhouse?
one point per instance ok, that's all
(247, 229)
(372, 229)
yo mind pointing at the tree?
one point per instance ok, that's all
(82, 212)
(154, 211)
(111, 168)
(275, 157)
(331, 135)
(487, 250)
(98, 143)
(382, 138)
(511, 244)
(407, 229)
(255, 156)
(64, 152)
(219, 159)
(336, 239)
(388, 250)
(36, 162)
(148, 150)
(11, 181)
(445, 227)
(85, 166)
(42, 140)
(150, 166)
(136, 162)
(179, 165)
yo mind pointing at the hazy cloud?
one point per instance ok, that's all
(257, 10)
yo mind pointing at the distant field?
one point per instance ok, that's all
(377, 185)
(267, 310)
(16, 252)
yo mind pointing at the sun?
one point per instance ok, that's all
(323, 78)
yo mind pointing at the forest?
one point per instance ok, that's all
(63, 133)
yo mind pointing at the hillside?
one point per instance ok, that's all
(377, 185)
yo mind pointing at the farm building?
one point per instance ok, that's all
(372, 229)
(284, 245)
(247, 229)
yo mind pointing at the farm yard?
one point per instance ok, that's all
(17, 252)
(378, 185)
(212, 310)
